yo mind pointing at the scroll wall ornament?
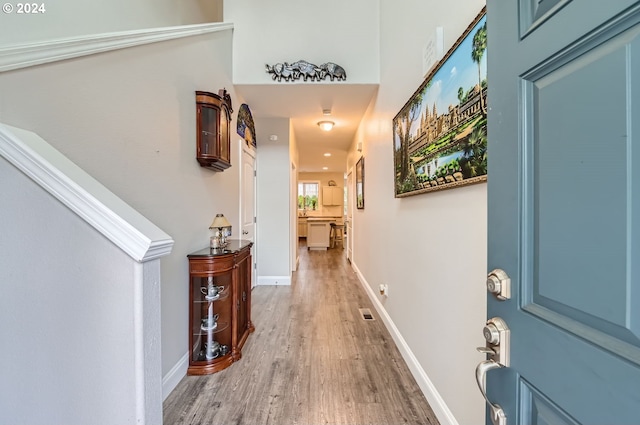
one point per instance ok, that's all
(306, 70)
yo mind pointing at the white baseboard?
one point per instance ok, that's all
(430, 392)
(171, 380)
(274, 280)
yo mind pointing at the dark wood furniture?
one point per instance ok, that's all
(213, 138)
(219, 306)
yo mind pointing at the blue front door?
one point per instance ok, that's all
(564, 208)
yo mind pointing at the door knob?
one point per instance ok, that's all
(245, 232)
(499, 284)
(497, 336)
(498, 416)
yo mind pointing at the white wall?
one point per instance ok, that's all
(67, 313)
(343, 32)
(436, 267)
(199, 11)
(128, 118)
(70, 18)
(274, 201)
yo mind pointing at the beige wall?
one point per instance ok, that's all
(68, 322)
(72, 18)
(276, 31)
(274, 203)
(437, 268)
(128, 118)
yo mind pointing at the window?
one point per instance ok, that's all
(308, 195)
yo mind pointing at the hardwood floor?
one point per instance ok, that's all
(312, 360)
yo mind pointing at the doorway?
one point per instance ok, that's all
(349, 221)
(248, 212)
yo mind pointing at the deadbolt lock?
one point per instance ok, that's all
(499, 284)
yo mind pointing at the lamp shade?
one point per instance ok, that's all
(326, 125)
(219, 221)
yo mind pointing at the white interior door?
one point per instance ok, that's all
(349, 221)
(248, 201)
(294, 217)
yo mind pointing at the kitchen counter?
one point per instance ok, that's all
(323, 217)
(315, 219)
(319, 231)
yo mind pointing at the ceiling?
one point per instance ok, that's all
(303, 103)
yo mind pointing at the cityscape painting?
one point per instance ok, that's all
(440, 134)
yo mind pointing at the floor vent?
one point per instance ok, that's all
(366, 314)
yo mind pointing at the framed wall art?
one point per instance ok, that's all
(440, 134)
(360, 183)
(246, 128)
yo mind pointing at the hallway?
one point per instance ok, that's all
(312, 360)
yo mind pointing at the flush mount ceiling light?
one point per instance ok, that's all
(327, 154)
(326, 125)
(325, 168)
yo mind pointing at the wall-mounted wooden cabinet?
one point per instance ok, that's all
(213, 115)
(332, 195)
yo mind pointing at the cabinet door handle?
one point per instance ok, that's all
(244, 296)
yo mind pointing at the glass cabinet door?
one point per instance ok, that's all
(211, 317)
(208, 130)
(224, 135)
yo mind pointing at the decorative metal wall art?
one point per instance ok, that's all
(246, 128)
(306, 70)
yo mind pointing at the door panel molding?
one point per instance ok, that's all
(538, 409)
(612, 28)
(534, 12)
(617, 346)
(550, 296)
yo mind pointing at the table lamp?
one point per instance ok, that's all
(219, 240)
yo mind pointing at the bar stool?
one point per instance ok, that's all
(336, 235)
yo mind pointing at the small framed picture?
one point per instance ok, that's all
(360, 183)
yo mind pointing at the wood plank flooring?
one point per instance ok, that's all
(312, 360)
